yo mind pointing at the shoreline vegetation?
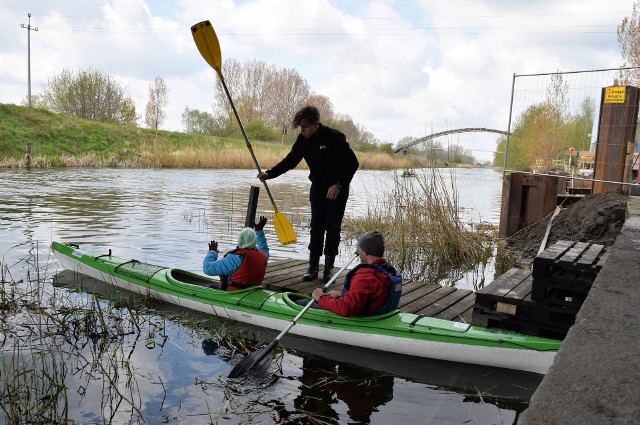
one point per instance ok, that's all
(426, 238)
(63, 141)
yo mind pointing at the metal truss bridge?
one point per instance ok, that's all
(448, 132)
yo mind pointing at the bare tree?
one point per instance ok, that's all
(158, 100)
(290, 91)
(629, 40)
(324, 105)
(262, 93)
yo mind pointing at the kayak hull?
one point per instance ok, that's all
(392, 332)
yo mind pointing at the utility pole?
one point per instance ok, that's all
(29, 29)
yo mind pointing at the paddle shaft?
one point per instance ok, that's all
(244, 133)
(272, 345)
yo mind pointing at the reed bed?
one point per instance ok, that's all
(56, 347)
(383, 161)
(426, 238)
(59, 347)
(215, 155)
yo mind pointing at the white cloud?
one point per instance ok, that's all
(399, 68)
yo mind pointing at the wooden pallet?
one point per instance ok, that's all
(564, 273)
(546, 300)
(507, 304)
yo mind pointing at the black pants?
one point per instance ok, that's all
(326, 217)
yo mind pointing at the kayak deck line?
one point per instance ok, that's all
(427, 299)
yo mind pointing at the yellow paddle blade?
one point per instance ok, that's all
(208, 45)
(284, 229)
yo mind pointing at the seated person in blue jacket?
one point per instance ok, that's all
(372, 287)
(243, 266)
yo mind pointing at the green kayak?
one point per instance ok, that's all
(393, 332)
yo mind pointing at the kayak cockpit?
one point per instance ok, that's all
(290, 299)
(183, 276)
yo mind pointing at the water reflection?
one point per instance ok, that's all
(165, 371)
(324, 382)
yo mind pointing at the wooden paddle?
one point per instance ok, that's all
(209, 47)
(259, 360)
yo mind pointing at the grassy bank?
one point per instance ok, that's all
(63, 141)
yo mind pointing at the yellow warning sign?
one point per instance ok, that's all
(614, 94)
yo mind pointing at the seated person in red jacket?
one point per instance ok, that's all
(243, 266)
(372, 287)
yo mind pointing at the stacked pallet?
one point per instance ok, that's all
(545, 301)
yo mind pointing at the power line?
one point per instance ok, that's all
(29, 29)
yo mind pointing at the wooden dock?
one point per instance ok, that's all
(417, 297)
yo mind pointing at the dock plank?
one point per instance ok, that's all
(294, 272)
(278, 265)
(423, 290)
(506, 285)
(418, 304)
(449, 300)
(457, 311)
(409, 286)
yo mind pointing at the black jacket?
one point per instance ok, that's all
(328, 155)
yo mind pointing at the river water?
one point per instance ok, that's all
(167, 217)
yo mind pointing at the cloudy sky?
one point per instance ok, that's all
(397, 67)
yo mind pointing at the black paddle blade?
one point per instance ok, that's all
(256, 362)
(262, 367)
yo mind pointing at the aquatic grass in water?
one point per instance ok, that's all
(51, 340)
(61, 349)
(425, 235)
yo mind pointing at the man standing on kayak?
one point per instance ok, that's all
(372, 287)
(332, 164)
(244, 266)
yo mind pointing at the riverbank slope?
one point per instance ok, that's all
(62, 141)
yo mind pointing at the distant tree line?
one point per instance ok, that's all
(434, 152)
(266, 99)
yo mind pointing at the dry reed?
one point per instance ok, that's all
(216, 155)
(425, 236)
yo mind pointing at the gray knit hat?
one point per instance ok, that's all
(372, 243)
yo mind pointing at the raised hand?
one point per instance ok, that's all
(261, 223)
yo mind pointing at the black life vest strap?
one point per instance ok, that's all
(225, 282)
(239, 285)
